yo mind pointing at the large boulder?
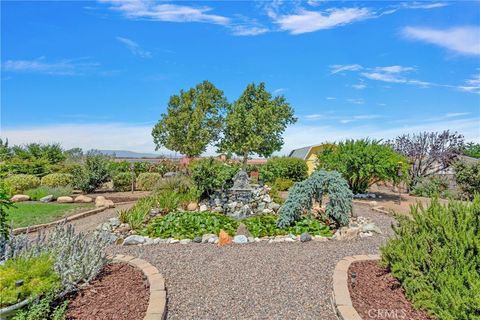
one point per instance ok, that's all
(100, 201)
(65, 200)
(20, 198)
(83, 199)
(192, 206)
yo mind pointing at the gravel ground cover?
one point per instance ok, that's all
(257, 280)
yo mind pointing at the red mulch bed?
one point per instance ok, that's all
(119, 292)
(378, 295)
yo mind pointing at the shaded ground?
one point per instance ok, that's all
(254, 281)
(378, 295)
(119, 292)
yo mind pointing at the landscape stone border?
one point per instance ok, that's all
(77, 216)
(341, 293)
(157, 302)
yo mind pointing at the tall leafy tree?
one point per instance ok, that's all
(193, 120)
(363, 163)
(428, 152)
(255, 122)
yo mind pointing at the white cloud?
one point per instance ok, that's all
(65, 67)
(279, 91)
(356, 101)
(464, 40)
(359, 86)
(338, 68)
(456, 114)
(246, 30)
(134, 48)
(471, 85)
(330, 98)
(394, 69)
(309, 21)
(144, 9)
(424, 5)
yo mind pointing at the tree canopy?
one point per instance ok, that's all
(255, 122)
(363, 162)
(193, 120)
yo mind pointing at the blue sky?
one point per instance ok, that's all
(99, 74)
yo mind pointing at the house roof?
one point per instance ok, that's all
(302, 153)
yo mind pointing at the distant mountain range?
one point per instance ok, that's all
(128, 154)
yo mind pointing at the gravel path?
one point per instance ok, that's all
(255, 281)
(91, 222)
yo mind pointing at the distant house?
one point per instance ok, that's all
(309, 154)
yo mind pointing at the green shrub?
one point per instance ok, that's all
(92, 174)
(181, 184)
(42, 191)
(188, 225)
(136, 215)
(169, 200)
(284, 167)
(282, 184)
(363, 163)
(435, 256)
(276, 195)
(57, 180)
(122, 181)
(434, 186)
(148, 180)
(43, 309)
(20, 182)
(37, 273)
(210, 174)
(468, 178)
(266, 225)
(319, 183)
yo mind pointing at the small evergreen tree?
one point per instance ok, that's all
(302, 194)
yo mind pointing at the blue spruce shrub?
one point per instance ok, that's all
(303, 193)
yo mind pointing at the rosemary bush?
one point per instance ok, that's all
(320, 183)
(435, 256)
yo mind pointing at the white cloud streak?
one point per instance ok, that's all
(339, 68)
(134, 48)
(463, 40)
(65, 67)
(144, 9)
(309, 21)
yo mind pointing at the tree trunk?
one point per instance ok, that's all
(244, 161)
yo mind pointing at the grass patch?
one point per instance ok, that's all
(29, 213)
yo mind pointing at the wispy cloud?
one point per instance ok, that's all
(471, 85)
(423, 5)
(463, 40)
(359, 86)
(304, 21)
(279, 91)
(144, 9)
(246, 30)
(356, 100)
(65, 67)
(339, 68)
(134, 48)
(330, 98)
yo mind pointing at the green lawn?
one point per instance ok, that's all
(31, 213)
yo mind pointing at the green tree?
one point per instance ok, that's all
(472, 150)
(255, 123)
(363, 163)
(5, 204)
(5, 150)
(193, 120)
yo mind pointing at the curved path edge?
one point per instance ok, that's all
(157, 302)
(341, 294)
(73, 217)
